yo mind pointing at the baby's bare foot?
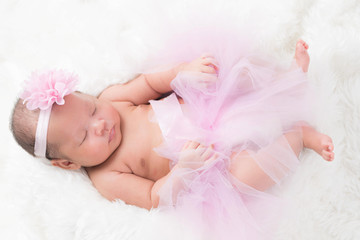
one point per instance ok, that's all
(325, 147)
(301, 55)
(320, 143)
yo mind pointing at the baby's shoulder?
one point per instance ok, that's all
(110, 183)
(98, 174)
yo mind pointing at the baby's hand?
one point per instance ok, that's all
(204, 64)
(194, 155)
(200, 73)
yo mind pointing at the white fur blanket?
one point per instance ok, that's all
(109, 41)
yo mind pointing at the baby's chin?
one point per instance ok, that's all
(94, 163)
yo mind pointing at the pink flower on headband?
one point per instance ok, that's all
(43, 89)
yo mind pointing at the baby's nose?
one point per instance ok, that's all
(99, 126)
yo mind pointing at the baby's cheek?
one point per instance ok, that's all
(93, 148)
(96, 148)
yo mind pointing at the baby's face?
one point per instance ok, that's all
(86, 129)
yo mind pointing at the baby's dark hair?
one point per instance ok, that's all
(23, 126)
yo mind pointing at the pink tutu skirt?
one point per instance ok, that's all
(247, 106)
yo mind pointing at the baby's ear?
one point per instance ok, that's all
(65, 164)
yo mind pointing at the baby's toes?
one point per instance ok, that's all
(327, 155)
(327, 147)
(300, 41)
(300, 47)
(306, 46)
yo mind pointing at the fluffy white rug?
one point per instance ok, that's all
(109, 41)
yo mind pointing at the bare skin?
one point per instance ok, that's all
(129, 169)
(320, 143)
(301, 55)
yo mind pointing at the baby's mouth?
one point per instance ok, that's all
(112, 134)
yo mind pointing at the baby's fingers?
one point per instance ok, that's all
(210, 62)
(209, 59)
(191, 145)
(200, 150)
(209, 151)
(208, 69)
(211, 160)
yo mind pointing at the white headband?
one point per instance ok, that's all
(41, 133)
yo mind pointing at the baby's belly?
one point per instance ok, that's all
(151, 165)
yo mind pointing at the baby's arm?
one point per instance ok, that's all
(142, 192)
(153, 85)
(130, 188)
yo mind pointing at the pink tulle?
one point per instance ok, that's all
(253, 103)
(43, 89)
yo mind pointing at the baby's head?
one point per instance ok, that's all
(83, 132)
(23, 126)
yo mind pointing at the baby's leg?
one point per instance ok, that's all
(246, 170)
(245, 165)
